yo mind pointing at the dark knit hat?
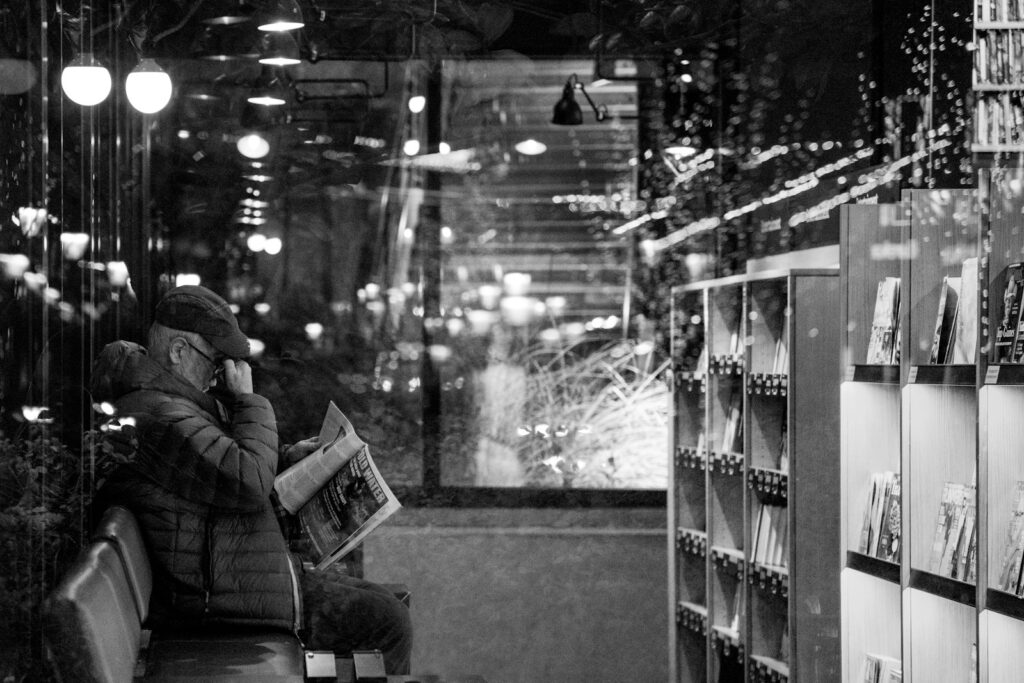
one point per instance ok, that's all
(196, 309)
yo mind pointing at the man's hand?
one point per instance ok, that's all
(237, 377)
(298, 451)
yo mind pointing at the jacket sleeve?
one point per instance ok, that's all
(227, 465)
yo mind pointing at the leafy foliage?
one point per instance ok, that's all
(594, 419)
(46, 488)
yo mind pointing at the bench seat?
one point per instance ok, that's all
(225, 657)
(93, 625)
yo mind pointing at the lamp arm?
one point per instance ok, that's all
(601, 113)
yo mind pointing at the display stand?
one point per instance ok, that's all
(909, 436)
(998, 138)
(755, 477)
(1001, 433)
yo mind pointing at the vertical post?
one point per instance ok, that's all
(429, 247)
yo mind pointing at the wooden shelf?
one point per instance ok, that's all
(944, 587)
(729, 561)
(881, 569)
(689, 457)
(879, 374)
(951, 375)
(692, 617)
(1004, 375)
(692, 542)
(767, 384)
(998, 87)
(998, 25)
(767, 670)
(726, 640)
(985, 148)
(730, 464)
(1004, 603)
(770, 485)
(769, 579)
(726, 364)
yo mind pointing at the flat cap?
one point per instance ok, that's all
(193, 308)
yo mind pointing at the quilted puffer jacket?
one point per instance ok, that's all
(199, 482)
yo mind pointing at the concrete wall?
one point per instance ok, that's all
(529, 596)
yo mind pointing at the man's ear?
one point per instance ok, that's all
(175, 349)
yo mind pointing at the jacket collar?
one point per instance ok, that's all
(123, 367)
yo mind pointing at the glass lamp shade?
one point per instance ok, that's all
(148, 87)
(279, 49)
(286, 16)
(226, 12)
(223, 43)
(85, 80)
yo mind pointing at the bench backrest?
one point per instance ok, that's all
(119, 527)
(91, 623)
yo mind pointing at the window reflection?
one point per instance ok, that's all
(535, 287)
(425, 247)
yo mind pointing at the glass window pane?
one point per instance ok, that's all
(543, 386)
(304, 221)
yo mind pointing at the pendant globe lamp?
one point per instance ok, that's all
(224, 43)
(284, 15)
(279, 49)
(85, 81)
(225, 12)
(269, 90)
(148, 87)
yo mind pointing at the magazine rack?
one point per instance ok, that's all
(912, 422)
(755, 477)
(870, 433)
(1000, 431)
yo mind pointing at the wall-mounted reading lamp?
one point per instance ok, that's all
(567, 112)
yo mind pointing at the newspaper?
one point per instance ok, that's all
(337, 492)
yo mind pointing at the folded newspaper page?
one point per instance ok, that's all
(336, 491)
(338, 443)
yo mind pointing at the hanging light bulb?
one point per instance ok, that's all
(253, 145)
(531, 147)
(148, 87)
(85, 80)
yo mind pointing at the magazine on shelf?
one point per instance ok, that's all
(1013, 548)
(732, 432)
(1009, 321)
(881, 669)
(337, 492)
(965, 332)
(882, 345)
(949, 295)
(953, 530)
(890, 532)
(880, 529)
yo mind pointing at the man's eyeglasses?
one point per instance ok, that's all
(218, 365)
